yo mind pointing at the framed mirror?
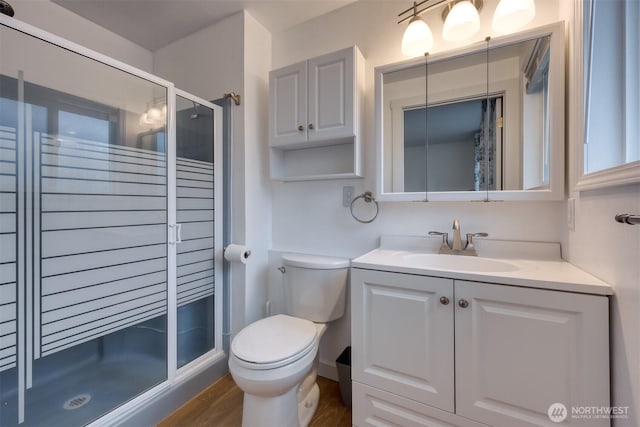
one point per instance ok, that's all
(491, 126)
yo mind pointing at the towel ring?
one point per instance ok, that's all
(367, 196)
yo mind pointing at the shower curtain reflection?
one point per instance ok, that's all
(484, 171)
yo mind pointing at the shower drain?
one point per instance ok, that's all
(77, 401)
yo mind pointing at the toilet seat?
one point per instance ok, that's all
(274, 342)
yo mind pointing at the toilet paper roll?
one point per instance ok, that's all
(237, 253)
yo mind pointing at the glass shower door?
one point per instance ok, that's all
(195, 212)
(83, 234)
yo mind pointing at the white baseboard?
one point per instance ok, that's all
(327, 370)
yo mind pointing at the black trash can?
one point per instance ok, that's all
(343, 363)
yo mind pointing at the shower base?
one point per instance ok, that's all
(88, 392)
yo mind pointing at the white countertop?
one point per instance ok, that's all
(536, 264)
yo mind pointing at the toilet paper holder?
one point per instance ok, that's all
(236, 253)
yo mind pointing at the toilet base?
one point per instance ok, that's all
(279, 411)
(307, 407)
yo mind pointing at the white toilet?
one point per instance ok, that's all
(275, 360)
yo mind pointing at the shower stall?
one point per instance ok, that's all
(110, 233)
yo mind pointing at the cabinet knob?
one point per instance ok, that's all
(311, 126)
(444, 300)
(463, 303)
(300, 128)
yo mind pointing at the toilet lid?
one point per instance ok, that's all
(315, 262)
(273, 339)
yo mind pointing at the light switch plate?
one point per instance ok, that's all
(347, 196)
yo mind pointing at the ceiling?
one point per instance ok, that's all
(153, 24)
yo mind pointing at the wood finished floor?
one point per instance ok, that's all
(220, 405)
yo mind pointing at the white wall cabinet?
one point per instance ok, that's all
(288, 122)
(313, 100)
(314, 117)
(517, 351)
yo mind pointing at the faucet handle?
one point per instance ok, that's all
(445, 238)
(470, 248)
(470, 237)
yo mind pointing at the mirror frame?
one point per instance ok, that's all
(555, 190)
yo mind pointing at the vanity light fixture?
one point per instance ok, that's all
(461, 21)
(417, 38)
(511, 15)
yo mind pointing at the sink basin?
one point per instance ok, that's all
(459, 263)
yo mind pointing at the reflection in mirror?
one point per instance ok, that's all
(518, 154)
(456, 160)
(507, 96)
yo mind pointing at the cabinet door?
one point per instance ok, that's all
(331, 95)
(373, 407)
(520, 350)
(288, 109)
(402, 335)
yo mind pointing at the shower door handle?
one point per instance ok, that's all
(178, 233)
(176, 236)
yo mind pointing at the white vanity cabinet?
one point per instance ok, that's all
(402, 337)
(314, 117)
(439, 351)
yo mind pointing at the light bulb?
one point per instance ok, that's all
(511, 15)
(462, 22)
(144, 120)
(417, 38)
(154, 114)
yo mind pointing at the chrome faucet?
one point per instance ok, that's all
(457, 243)
(455, 248)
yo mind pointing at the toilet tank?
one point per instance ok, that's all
(315, 286)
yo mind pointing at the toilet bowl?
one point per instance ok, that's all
(275, 360)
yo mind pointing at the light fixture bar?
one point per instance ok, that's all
(410, 9)
(415, 12)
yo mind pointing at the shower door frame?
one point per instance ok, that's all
(217, 353)
(175, 377)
